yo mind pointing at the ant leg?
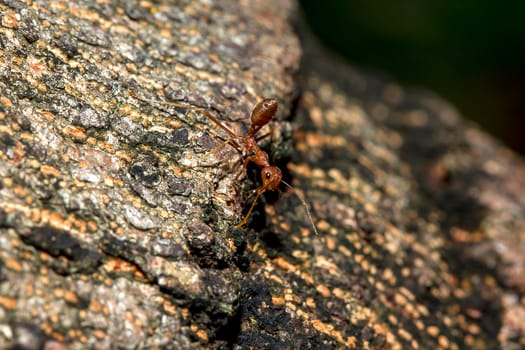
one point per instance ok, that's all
(223, 144)
(204, 112)
(258, 191)
(230, 142)
(245, 218)
(244, 167)
(259, 138)
(187, 107)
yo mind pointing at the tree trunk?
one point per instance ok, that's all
(118, 210)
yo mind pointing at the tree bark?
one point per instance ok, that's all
(118, 211)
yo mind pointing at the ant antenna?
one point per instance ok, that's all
(301, 198)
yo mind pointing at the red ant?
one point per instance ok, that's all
(271, 176)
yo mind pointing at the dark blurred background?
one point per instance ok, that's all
(470, 52)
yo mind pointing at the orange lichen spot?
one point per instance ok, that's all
(70, 297)
(403, 333)
(58, 336)
(83, 164)
(470, 340)
(92, 226)
(323, 290)
(405, 272)
(344, 250)
(41, 87)
(54, 219)
(399, 299)
(300, 254)
(9, 20)
(392, 319)
(95, 306)
(284, 264)
(291, 307)
(338, 292)
(20, 191)
(474, 329)
(117, 265)
(13, 264)
(105, 310)
(419, 325)
(278, 300)
(474, 313)
(72, 333)
(433, 331)
(46, 327)
(422, 309)
(285, 226)
(351, 341)
(75, 132)
(289, 296)
(77, 223)
(100, 334)
(108, 181)
(65, 158)
(365, 265)
(124, 157)
(409, 307)
(388, 275)
(330, 242)
(6, 102)
(109, 148)
(51, 171)
(29, 290)
(358, 258)
(43, 270)
(8, 182)
(169, 308)
(321, 326)
(328, 329)
(308, 278)
(410, 296)
(82, 314)
(199, 332)
(275, 278)
(8, 303)
(310, 302)
(59, 293)
(213, 57)
(443, 342)
(35, 215)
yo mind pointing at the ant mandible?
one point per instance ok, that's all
(271, 175)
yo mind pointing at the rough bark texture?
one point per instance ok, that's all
(117, 214)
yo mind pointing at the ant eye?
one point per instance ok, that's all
(268, 175)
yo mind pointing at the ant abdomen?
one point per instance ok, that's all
(262, 113)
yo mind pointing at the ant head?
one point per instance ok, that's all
(271, 177)
(263, 112)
